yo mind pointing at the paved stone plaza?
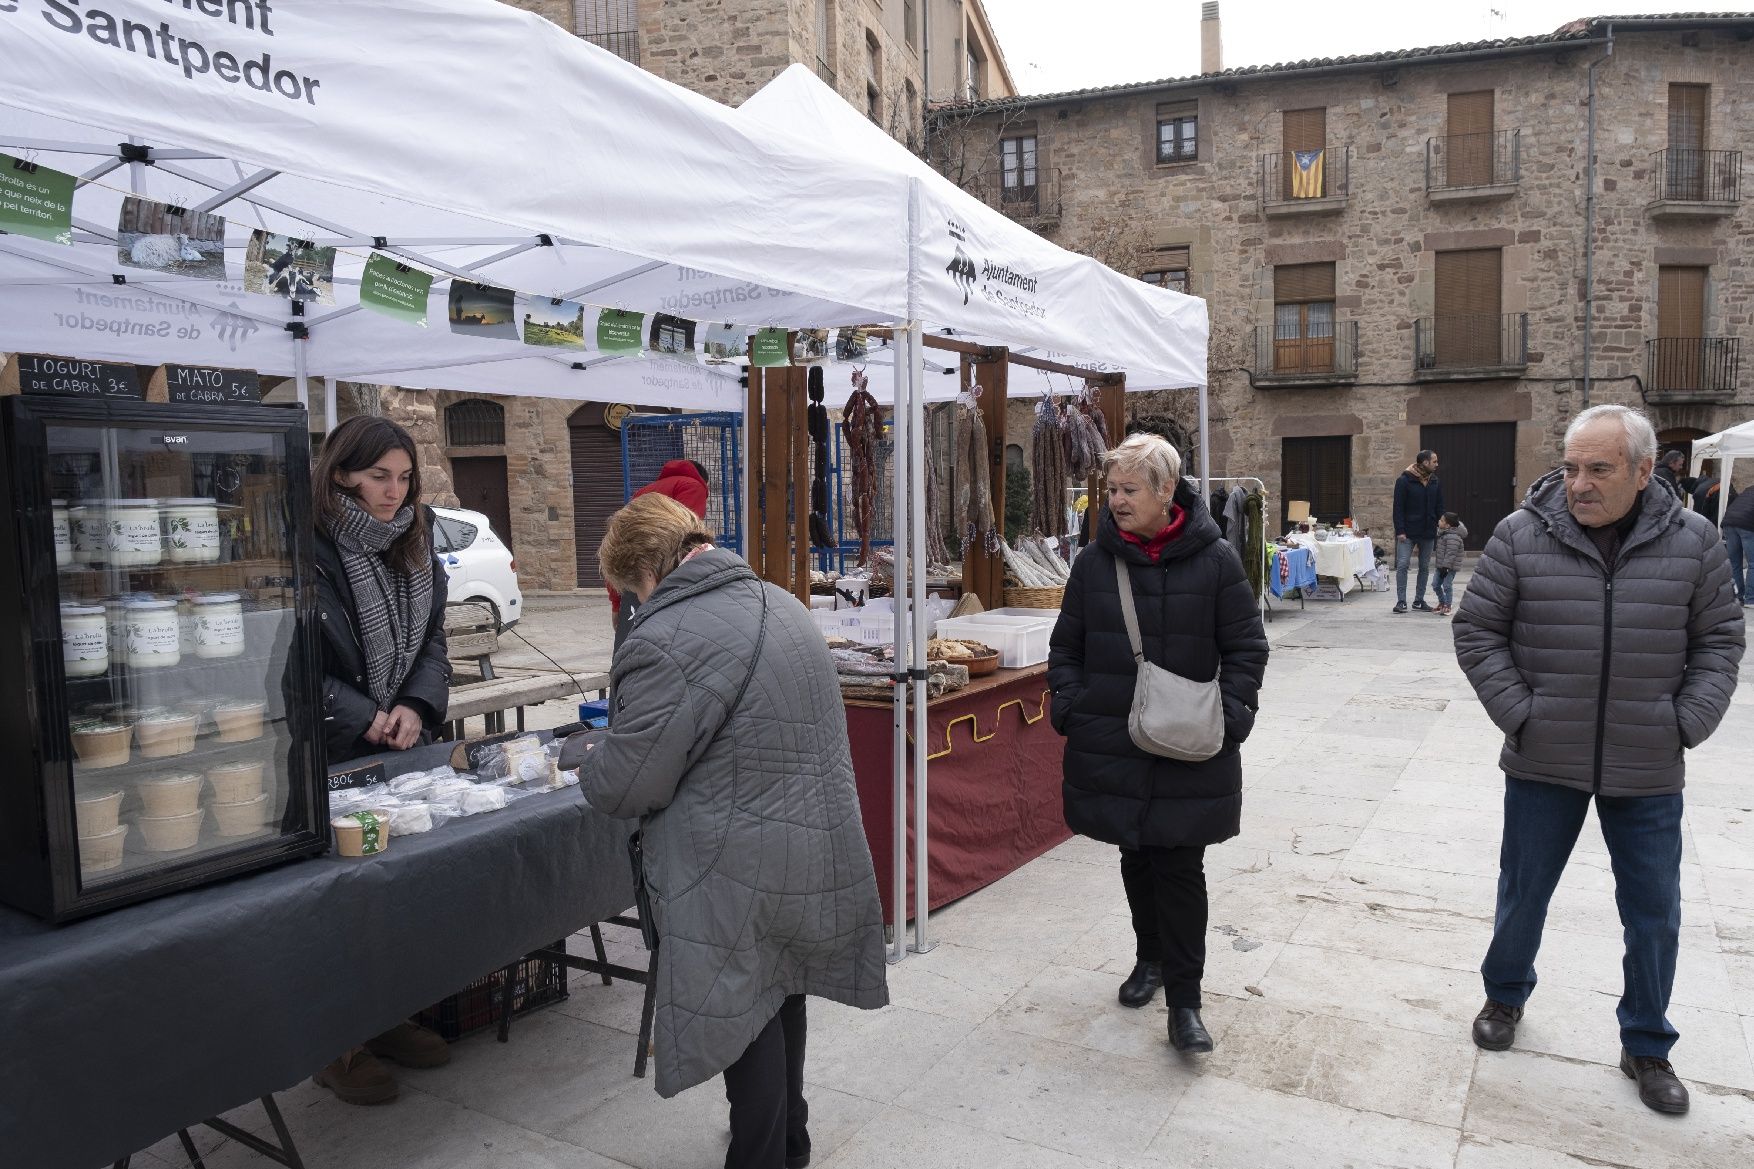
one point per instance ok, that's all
(1348, 921)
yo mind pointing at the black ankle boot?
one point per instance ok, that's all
(1141, 985)
(1186, 1032)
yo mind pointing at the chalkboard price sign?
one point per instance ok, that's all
(356, 777)
(205, 386)
(71, 377)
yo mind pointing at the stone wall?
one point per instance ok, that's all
(1119, 204)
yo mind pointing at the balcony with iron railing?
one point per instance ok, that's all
(1035, 204)
(1305, 182)
(1473, 168)
(1470, 347)
(624, 43)
(1695, 184)
(1328, 359)
(1683, 370)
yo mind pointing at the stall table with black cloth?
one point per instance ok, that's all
(118, 1030)
(993, 791)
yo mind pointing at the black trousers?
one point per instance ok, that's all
(1166, 890)
(766, 1089)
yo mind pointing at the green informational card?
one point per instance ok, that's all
(769, 349)
(396, 290)
(619, 332)
(35, 201)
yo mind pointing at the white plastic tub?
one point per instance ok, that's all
(1021, 641)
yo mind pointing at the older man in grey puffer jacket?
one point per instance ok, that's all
(1602, 635)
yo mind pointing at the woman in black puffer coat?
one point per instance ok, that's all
(1197, 618)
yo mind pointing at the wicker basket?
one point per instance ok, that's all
(1033, 598)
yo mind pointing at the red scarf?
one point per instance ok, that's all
(1178, 518)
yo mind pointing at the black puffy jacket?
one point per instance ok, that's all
(348, 709)
(1196, 611)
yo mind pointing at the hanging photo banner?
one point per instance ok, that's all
(162, 237)
(279, 265)
(769, 349)
(35, 201)
(620, 333)
(672, 336)
(553, 323)
(725, 344)
(810, 346)
(481, 310)
(852, 344)
(394, 289)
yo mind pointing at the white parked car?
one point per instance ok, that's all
(478, 563)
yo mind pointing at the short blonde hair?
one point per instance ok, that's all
(649, 536)
(1150, 455)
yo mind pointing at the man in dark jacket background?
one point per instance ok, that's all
(1672, 473)
(1739, 542)
(1418, 504)
(1602, 636)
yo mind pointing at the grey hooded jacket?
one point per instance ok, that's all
(1600, 674)
(755, 856)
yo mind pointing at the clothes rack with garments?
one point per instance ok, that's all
(1244, 522)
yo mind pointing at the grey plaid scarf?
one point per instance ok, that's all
(391, 607)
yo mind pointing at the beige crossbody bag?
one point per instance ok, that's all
(1172, 716)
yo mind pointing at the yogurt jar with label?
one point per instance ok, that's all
(219, 625)
(191, 530)
(90, 531)
(85, 641)
(63, 533)
(133, 538)
(152, 634)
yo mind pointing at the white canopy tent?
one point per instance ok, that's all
(1726, 446)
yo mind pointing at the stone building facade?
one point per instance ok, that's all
(1447, 216)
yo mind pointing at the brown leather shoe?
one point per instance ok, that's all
(358, 1078)
(1658, 1085)
(1495, 1026)
(410, 1045)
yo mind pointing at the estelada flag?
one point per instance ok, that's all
(1306, 177)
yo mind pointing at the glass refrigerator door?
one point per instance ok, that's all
(178, 621)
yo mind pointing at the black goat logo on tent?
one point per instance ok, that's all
(961, 270)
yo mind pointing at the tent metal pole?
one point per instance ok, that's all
(329, 406)
(300, 378)
(903, 656)
(1205, 451)
(916, 446)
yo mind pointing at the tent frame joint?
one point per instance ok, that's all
(134, 152)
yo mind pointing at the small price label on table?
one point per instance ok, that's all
(356, 777)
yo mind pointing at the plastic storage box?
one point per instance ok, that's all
(1021, 641)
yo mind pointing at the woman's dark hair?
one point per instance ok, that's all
(356, 445)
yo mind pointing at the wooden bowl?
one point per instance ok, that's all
(982, 665)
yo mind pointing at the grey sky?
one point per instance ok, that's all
(1052, 45)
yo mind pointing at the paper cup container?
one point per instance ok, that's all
(236, 783)
(100, 854)
(163, 737)
(238, 722)
(102, 746)
(240, 819)
(362, 833)
(174, 795)
(96, 811)
(170, 833)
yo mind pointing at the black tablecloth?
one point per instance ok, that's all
(118, 1030)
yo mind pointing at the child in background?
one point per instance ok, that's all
(1450, 534)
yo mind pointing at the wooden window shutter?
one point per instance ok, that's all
(1303, 283)
(1304, 129)
(1468, 149)
(1172, 256)
(1469, 283)
(1687, 106)
(1470, 113)
(1680, 302)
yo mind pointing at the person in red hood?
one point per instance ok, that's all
(683, 480)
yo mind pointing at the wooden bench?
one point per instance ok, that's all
(477, 688)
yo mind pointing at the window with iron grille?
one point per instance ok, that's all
(1178, 132)
(610, 24)
(1017, 170)
(1170, 270)
(475, 422)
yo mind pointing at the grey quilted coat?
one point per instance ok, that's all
(760, 876)
(1599, 675)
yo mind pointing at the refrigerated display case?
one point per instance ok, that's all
(159, 691)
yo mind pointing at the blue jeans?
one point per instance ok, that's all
(1444, 586)
(1739, 542)
(1404, 556)
(1643, 833)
